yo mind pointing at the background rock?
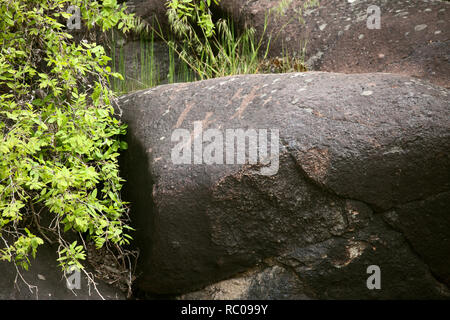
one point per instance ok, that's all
(413, 38)
(46, 275)
(352, 148)
(152, 11)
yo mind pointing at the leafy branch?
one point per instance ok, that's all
(59, 139)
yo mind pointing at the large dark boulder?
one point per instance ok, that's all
(353, 149)
(429, 219)
(413, 38)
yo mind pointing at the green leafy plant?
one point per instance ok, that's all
(198, 12)
(59, 141)
(212, 49)
(215, 49)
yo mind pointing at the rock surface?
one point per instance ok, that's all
(413, 38)
(354, 149)
(48, 282)
(152, 11)
(271, 283)
(426, 219)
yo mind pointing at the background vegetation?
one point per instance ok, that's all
(201, 46)
(59, 141)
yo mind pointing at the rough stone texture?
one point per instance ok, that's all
(271, 283)
(426, 219)
(353, 148)
(151, 11)
(46, 275)
(413, 38)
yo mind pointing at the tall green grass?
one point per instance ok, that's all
(144, 71)
(192, 55)
(225, 52)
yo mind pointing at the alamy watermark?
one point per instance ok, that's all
(374, 280)
(74, 21)
(73, 278)
(217, 147)
(373, 17)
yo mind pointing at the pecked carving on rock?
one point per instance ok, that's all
(350, 147)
